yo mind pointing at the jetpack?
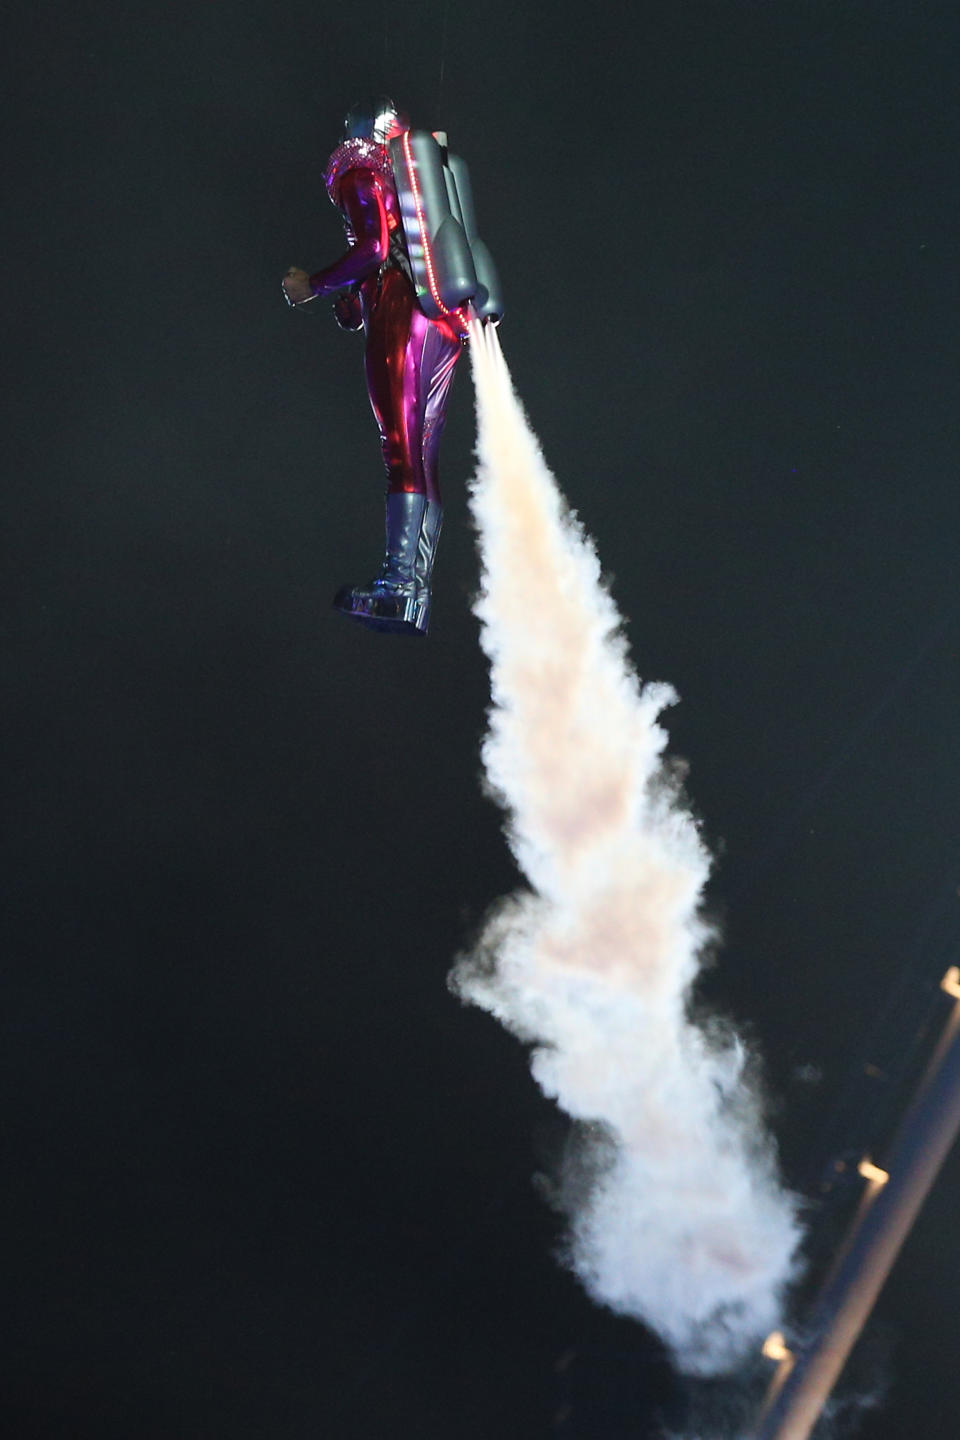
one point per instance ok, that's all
(452, 267)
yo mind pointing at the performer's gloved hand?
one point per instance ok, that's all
(347, 309)
(296, 286)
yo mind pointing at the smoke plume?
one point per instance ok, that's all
(676, 1215)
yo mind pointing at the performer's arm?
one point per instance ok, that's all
(361, 198)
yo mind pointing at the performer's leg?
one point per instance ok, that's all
(410, 363)
(393, 381)
(441, 351)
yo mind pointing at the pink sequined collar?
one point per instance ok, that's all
(356, 155)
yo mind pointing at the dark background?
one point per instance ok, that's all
(263, 1175)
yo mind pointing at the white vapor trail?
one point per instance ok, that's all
(683, 1223)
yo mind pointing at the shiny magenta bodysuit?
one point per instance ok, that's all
(410, 359)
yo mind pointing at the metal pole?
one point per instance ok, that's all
(803, 1382)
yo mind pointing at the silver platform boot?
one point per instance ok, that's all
(398, 599)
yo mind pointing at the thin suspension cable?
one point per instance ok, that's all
(443, 59)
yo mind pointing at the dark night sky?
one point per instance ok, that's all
(264, 1177)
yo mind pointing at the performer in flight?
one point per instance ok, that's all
(413, 344)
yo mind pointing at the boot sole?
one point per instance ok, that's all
(390, 614)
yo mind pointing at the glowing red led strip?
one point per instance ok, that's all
(427, 254)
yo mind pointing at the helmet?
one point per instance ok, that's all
(374, 118)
